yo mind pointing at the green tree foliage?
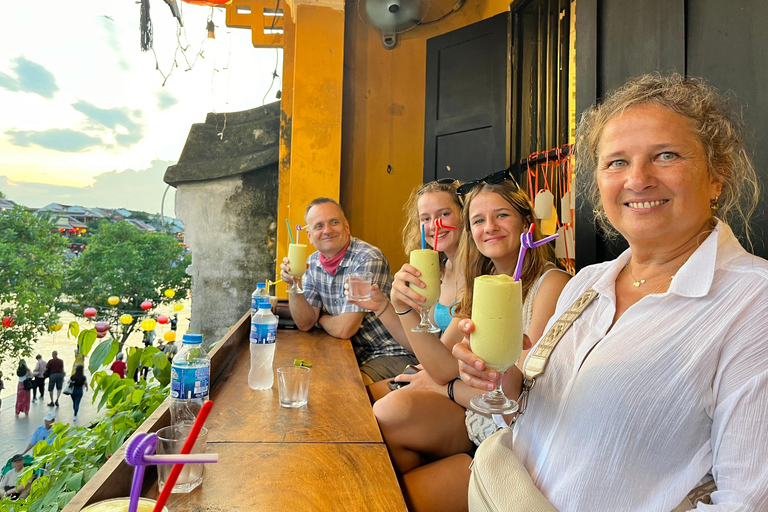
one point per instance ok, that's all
(62, 468)
(128, 263)
(31, 273)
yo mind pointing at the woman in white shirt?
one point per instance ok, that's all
(662, 382)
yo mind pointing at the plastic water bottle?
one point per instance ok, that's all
(190, 380)
(260, 292)
(263, 332)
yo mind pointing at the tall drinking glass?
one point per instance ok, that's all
(498, 336)
(427, 262)
(297, 258)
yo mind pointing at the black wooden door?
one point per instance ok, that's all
(466, 129)
(723, 42)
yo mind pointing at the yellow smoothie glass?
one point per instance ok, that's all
(427, 262)
(497, 312)
(297, 259)
(121, 505)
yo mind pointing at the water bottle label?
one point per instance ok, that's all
(263, 333)
(190, 382)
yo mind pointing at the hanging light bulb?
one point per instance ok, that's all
(211, 28)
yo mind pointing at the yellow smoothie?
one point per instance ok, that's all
(121, 505)
(426, 261)
(297, 259)
(497, 312)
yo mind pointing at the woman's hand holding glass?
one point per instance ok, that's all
(471, 368)
(401, 295)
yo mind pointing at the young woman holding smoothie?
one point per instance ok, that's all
(434, 201)
(428, 421)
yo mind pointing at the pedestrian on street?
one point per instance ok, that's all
(2, 387)
(22, 391)
(43, 432)
(174, 321)
(39, 375)
(119, 366)
(55, 368)
(79, 381)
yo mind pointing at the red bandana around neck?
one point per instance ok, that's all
(332, 264)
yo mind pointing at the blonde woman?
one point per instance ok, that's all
(428, 203)
(427, 421)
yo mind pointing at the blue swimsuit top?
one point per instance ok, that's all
(443, 315)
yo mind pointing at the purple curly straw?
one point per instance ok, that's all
(526, 242)
(139, 446)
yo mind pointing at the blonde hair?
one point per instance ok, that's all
(412, 227)
(713, 122)
(475, 264)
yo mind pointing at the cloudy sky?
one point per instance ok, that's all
(85, 116)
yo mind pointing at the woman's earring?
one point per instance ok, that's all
(713, 204)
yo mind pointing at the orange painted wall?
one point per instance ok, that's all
(383, 121)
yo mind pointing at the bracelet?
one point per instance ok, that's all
(401, 313)
(450, 389)
(384, 310)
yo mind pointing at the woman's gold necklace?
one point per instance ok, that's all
(637, 283)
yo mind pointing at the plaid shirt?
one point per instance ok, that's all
(324, 290)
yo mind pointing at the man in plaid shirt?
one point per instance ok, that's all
(323, 303)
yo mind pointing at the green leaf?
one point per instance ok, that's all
(73, 330)
(75, 482)
(134, 357)
(101, 354)
(85, 340)
(137, 396)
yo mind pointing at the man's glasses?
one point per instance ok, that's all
(441, 181)
(492, 179)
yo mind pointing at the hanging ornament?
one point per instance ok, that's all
(55, 327)
(162, 319)
(211, 28)
(102, 326)
(113, 300)
(101, 334)
(174, 6)
(178, 307)
(146, 305)
(148, 324)
(126, 319)
(90, 312)
(169, 293)
(145, 24)
(543, 205)
(169, 336)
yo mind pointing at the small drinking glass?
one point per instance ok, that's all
(170, 440)
(360, 286)
(293, 386)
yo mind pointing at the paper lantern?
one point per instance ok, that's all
(102, 326)
(126, 319)
(169, 293)
(101, 334)
(90, 312)
(169, 336)
(55, 327)
(178, 307)
(113, 300)
(146, 305)
(162, 319)
(148, 324)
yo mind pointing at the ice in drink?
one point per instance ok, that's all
(497, 314)
(427, 262)
(297, 259)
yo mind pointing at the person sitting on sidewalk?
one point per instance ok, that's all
(43, 432)
(8, 483)
(323, 303)
(55, 369)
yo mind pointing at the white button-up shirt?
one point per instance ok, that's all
(676, 390)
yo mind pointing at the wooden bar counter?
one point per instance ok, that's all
(328, 455)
